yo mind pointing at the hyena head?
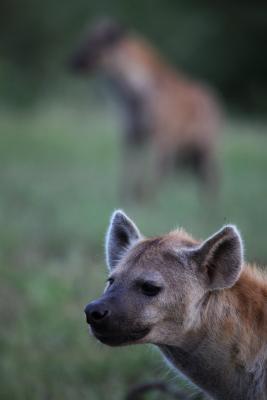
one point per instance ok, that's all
(156, 286)
(102, 37)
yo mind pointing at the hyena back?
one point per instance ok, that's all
(197, 301)
(169, 118)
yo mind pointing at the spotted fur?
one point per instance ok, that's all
(170, 119)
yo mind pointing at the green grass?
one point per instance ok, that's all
(59, 171)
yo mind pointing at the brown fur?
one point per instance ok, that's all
(207, 311)
(176, 118)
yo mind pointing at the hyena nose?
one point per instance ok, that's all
(96, 313)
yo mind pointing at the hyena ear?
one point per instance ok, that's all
(121, 235)
(220, 258)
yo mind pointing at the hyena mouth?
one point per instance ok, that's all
(121, 339)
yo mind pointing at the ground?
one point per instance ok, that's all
(59, 174)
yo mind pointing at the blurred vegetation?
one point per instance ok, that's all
(221, 42)
(60, 168)
(58, 184)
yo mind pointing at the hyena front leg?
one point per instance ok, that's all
(143, 169)
(133, 183)
(207, 170)
(158, 164)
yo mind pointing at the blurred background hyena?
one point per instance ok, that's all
(60, 170)
(170, 120)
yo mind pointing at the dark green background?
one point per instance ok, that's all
(221, 42)
(60, 169)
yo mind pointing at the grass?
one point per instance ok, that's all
(59, 169)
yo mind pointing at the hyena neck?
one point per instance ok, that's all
(226, 355)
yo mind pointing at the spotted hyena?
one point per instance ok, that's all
(170, 119)
(198, 301)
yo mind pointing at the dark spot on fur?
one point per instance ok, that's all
(259, 316)
(235, 352)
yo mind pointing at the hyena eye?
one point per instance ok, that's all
(109, 282)
(149, 289)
